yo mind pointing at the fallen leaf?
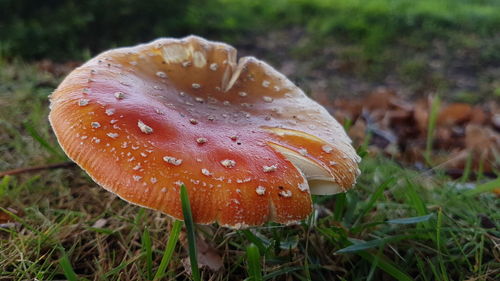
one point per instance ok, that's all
(207, 255)
(482, 147)
(399, 128)
(347, 109)
(421, 115)
(358, 132)
(380, 99)
(443, 137)
(455, 113)
(478, 116)
(6, 218)
(484, 143)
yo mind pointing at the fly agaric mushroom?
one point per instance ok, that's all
(247, 143)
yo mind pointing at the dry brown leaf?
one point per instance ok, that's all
(414, 153)
(478, 116)
(380, 99)
(207, 255)
(400, 104)
(358, 132)
(399, 116)
(399, 128)
(421, 115)
(453, 114)
(444, 138)
(484, 143)
(5, 217)
(350, 109)
(483, 146)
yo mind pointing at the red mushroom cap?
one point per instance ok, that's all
(247, 143)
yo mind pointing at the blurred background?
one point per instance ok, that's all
(410, 75)
(343, 47)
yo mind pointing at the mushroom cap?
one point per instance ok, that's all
(246, 142)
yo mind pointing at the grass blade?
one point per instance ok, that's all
(340, 201)
(67, 268)
(253, 256)
(374, 265)
(4, 185)
(485, 187)
(386, 265)
(169, 250)
(415, 200)
(21, 221)
(467, 169)
(285, 270)
(256, 240)
(440, 245)
(188, 221)
(118, 269)
(375, 196)
(146, 247)
(45, 144)
(411, 220)
(364, 245)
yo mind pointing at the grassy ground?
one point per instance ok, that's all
(397, 224)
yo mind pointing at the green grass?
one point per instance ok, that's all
(253, 259)
(191, 233)
(167, 254)
(396, 224)
(69, 29)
